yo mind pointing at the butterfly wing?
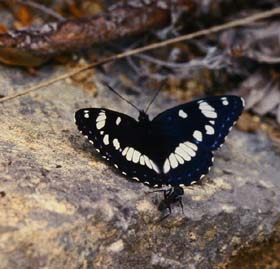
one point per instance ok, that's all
(185, 163)
(191, 132)
(120, 140)
(207, 120)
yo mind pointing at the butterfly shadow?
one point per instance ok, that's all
(83, 146)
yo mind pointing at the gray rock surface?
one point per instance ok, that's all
(65, 208)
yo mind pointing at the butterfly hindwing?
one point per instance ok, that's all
(181, 159)
(118, 138)
(186, 163)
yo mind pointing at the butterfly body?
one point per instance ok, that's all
(174, 148)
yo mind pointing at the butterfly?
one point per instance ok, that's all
(175, 148)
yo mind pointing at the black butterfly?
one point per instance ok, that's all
(174, 149)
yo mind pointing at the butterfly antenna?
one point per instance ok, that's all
(155, 96)
(115, 92)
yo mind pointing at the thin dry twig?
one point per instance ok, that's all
(211, 61)
(214, 29)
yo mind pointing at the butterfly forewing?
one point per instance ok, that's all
(207, 121)
(120, 140)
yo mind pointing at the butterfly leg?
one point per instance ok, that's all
(181, 204)
(167, 206)
(165, 192)
(177, 193)
(166, 195)
(165, 216)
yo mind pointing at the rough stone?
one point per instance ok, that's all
(63, 207)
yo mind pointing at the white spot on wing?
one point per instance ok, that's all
(180, 151)
(197, 135)
(106, 139)
(129, 154)
(136, 156)
(118, 121)
(186, 147)
(100, 124)
(142, 161)
(101, 120)
(207, 110)
(191, 145)
(125, 151)
(173, 161)
(179, 158)
(209, 114)
(209, 130)
(183, 152)
(182, 114)
(116, 143)
(154, 167)
(166, 166)
(86, 115)
(206, 106)
(225, 102)
(147, 161)
(101, 117)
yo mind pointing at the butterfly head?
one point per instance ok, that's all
(143, 117)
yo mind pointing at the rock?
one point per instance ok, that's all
(63, 207)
